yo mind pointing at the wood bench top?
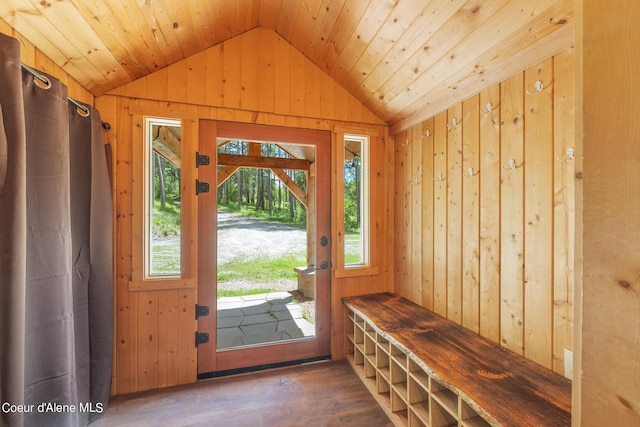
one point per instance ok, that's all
(509, 388)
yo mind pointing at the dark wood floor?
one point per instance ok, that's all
(314, 395)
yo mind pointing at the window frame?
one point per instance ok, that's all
(367, 267)
(187, 279)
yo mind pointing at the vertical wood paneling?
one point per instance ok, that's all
(440, 214)
(406, 217)
(416, 228)
(471, 215)
(538, 214)
(608, 389)
(427, 213)
(454, 214)
(400, 260)
(490, 213)
(168, 338)
(126, 303)
(497, 240)
(187, 354)
(147, 337)
(196, 80)
(564, 207)
(248, 72)
(511, 216)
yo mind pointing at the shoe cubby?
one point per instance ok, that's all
(409, 393)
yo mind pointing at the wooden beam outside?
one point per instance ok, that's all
(225, 173)
(291, 185)
(262, 162)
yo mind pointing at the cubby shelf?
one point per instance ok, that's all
(409, 394)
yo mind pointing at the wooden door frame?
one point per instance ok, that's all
(210, 360)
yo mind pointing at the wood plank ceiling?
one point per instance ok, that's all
(404, 59)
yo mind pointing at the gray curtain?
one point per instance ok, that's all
(56, 266)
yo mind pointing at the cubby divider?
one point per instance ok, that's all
(408, 393)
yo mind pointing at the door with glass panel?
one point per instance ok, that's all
(266, 281)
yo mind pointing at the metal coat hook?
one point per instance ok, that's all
(406, 142)
(439, 178)
(539, 87)
(571, 154)
(427, 134)
(489, 108)
(417, 181)
(511, 165)
(470, 173)
(454, 123)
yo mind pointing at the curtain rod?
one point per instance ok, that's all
(47, 85)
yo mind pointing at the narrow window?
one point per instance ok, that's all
(162, 197)
(356, 200)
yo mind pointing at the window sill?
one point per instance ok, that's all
(355, 271)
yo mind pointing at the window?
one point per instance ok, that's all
(355, 200)
(162, 195)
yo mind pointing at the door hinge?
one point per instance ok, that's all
(201, 338)
(202, 310)
(202, 160)
(201, 187)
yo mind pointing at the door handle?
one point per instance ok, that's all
(325, 264)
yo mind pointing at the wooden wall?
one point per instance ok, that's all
(257, 78)
(608, 338)
(484, 212)
(33, 57)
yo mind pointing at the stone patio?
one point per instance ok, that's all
(262, 318)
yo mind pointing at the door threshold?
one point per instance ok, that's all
(228, 372)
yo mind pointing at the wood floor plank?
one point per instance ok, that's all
(317, 394)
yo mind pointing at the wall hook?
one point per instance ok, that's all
(470, 172)
(427, 134)
(511, 165)
(571, 154)
(439, 178)
(539, 86)
(454, 123)
(406, 142)
(489, 108)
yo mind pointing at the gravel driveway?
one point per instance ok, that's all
(249, 238)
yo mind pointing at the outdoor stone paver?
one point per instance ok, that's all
(261, 318)
(229, 321)
(258, 318)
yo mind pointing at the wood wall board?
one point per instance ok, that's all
(490, 231)
(511, 215)
(125, 303)
(538, 213)
(564, 176)
(417, 181)
(427, 232)
(147, 338)
(490, 213)
(440, 214)
(454, 213)
(168, 339)
(400, 156)
(607, 68)
(471, 214)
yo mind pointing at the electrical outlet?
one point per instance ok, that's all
(568, 364)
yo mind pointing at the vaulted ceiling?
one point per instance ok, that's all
(398, 57)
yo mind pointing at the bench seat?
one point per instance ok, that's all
(452, 376)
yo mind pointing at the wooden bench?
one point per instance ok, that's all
(425, 370)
